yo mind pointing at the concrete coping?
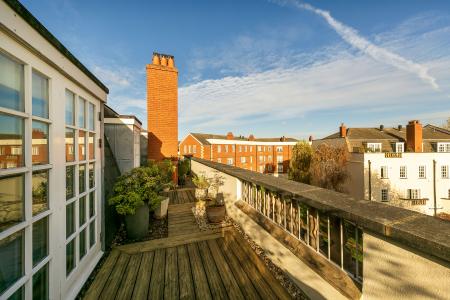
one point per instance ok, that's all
(425, 233)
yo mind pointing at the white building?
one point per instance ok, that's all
(403, 167)
(50, 162)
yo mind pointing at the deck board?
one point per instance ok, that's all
(188, 264)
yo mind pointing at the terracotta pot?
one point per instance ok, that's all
(215, 214)
(137, 224)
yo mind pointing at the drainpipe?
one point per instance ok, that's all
(370, 180)
(434, 188)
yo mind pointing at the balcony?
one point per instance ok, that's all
(329, 245)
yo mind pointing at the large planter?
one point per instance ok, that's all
(161, 210)
(215, 214)
(201, 194)
(137, 224)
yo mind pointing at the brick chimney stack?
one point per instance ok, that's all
(251, 137)
(162, 107)
(230, 136)
(343, 130)
(414, 136)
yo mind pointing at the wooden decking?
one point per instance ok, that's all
(189, 264)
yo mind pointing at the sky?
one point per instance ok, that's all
(268, 68)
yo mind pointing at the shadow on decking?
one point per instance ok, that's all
(188, 264)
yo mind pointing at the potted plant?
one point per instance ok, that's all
(183, 169)
(215, 211)
(202, 184)
(133, 194)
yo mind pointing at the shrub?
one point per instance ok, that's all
(140, 185)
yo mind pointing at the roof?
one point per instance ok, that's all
(33, 22)
(204, 137)
(356, 137)
(111, 113)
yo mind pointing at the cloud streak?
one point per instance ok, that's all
(351, 36)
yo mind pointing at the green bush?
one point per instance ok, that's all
(140, 185)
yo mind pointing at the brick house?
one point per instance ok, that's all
(264, 155)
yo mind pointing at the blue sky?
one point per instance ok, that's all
(270, 68)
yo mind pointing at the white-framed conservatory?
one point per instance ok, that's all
(50, 168)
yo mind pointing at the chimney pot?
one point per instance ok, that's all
(230, 136)
(156, 60)
(400, 127)
(171, 62)
(164, 61)
(251, 137)
(310, 138)
(381, 127)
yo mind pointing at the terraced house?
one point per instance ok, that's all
(406, 167)
(263, 155)
(50, 162)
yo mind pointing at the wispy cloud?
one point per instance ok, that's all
(351, 36)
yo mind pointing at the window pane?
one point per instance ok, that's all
(91, 176)
(82, 211)
(40, 240)
(91, 204)
(323, 234)
(40, 191)
(81, 145)
(70, 219)
(11, 201)
(11, 262)
(335, 240)
(40, 143)
(91, 117)
(91, 146)
(81, 113)
(70, 140)
(70, 108)
(349, 248)
(11, 141)
(82, 243)
(11, 84)
(18, 295)
(82, 178)
(40, 284)
(40, 95)
(70, 257)
(92, 234)
(70, 182)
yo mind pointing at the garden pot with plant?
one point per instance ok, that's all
(202, 184)
(161, 209)
(135, 194)
(215, 211)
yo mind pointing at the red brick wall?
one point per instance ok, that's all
(191, 141)
(162, 111)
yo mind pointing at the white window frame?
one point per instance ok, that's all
(229, 161)
(403, 172)
(413, 194)
(279, 148)
(280, 167)
(444, 172)
(399, 147)
(384, 173)
(219, 149)
(384, 195)
(194, 148)
(374, 147)
(422, 172)
(443, 147)
(243, 159)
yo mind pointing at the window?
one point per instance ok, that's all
(12, 199)
(12, 136)
(384, 195)
(413, 194)
(70, 219)
(269, 158)
(373, 147)
(251, 148)
(444, 172)
(226, 148)
(219, 160)
(91, 204)
(81, 179)
(229, 161)
(11, 84)
(261, 169)
(233, 147)
(40, 240)
(243, 159)
(279, 148)
(245, 148)
(92, 234)
(70, 257)
(70, 142)
(81, 113)
(91, 117)
(240, 148)
(91, 176)
(91, 145)
(269, 168)
(194, 149)
(70, 182)
(422, 173)
(280, 168)
(185, 148)
(384, 172)
(82, 211)
(70, 108)
(40, 95)
(403, 173)
(443, 147)
(40, 283)
(40, 143)
(219, 148)
(259, 148)
(251, 159)
(189, 149)
(12, 262)
(82, 244)
(279, 158)
(261, 157)
(399, 147)
(269, 148)
(40, 191)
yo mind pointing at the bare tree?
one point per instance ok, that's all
(300, 164)
(328, 167)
